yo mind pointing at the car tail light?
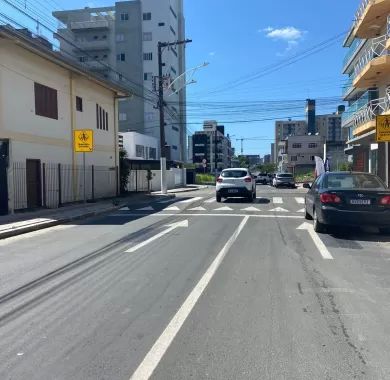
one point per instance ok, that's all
(248, 179)
(385, 200)
(220, 180)
(329, 198)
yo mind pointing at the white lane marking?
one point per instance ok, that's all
(225, 208)
(124, 209)
(211, 200)
(190, 200)
(163, 215)
(197, 209)
(300, 200)
(166, 200)
(149, 208)
(183, 224)
(251, 208)
(316, 239)
(173, 208)
(277, 200)
(279, 209)
(156, 353)
(301, 210)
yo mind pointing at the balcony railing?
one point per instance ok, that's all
(375, 48)
(92, 45)
(356, 45)
(362, 8)
(97, 24)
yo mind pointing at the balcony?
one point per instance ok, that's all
(373, 66)
(364, 119)
(86, 25)
(94, 45)
(370, 18)
(351, 54)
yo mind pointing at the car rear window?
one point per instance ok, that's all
(285, 175)
(353, 181)
(234, 173)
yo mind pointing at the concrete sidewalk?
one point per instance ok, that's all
(21, 223)
(182, 189)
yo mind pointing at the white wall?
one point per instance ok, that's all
(131, 139)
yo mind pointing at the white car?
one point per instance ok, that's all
(236, 182)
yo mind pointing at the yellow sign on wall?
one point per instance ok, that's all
(83, 141)
(383, 128)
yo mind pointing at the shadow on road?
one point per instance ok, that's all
(359, 234)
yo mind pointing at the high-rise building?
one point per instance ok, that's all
(125, 37)
(311, 116)
(367, 91)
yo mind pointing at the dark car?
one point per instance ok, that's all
(348, 199)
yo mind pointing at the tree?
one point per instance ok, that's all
(244, 162)
(124, 170)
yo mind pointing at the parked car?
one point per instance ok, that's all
(262, 178)
(236, 182)
(271, 177)
(284, 179)
(348, 199)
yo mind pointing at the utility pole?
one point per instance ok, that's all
(216, 154)
(163, 160)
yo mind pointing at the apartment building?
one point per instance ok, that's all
(367, 65)
(138, 146)
(212, 148)
(51, 98)
(125, 37)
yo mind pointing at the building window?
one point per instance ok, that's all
(121, 57)
(96, 57)
(104, 37)
(173, 12)
(312, 158)
(124, 17)
(147, 16)
(175, 128)
(173, 30)
(293, 158)
(139, 151)
(148, 76)
(83, 59)
(313, 145)
(148, 36)
(79, 104)
(173, 70)
(174, 147)
(46, 102)
(122, 117)
(101, 118)
(95, 37)
(120, 37)
(105, 56)
(161, 24)
(297, 146)
(148, 56)
(152, 153)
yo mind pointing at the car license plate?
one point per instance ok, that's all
(232, 191)
(360, 201)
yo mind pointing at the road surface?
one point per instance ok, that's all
(194, 289)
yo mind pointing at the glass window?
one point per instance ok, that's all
(297, 145)
(313, 145)
(121, 57)
(148, 76)
(140, 151)
(122, 117)
(353, 181)
(148, 56)
(124, 17)
(234, 173)
(148, 36)
(120, 37)
(152, 153)
(147, 16)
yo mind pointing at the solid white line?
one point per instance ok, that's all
(161, 234)
(301, 201)
(161, 215)
(153, 357)
(277, 200)
(167, 200)
(317, 241)
(190, 200)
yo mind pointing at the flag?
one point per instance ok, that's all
(320, 167)
(327, 165)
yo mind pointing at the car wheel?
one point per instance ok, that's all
(219, 198)
(318, 227)
(384, 231)
(254, 195)
(307, 215)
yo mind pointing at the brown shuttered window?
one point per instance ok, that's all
(106, 121)
(79, 104)
(46, 101)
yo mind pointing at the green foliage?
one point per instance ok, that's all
(124, 170)
(305, 177)
(244, 162)
(204, 178)
(345, 167)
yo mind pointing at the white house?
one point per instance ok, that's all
(139, 146)
(44, 98)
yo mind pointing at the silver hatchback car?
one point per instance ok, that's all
(236, 182)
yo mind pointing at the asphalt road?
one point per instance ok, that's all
(194, 289)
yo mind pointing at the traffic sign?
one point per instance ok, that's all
(83, 141)
(204, 161)
(383, 128)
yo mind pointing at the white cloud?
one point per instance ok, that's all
(288, 34)
(212, 53)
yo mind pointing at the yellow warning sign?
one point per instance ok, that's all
(383, 128)
(83, 141)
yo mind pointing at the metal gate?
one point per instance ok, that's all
(138, 181)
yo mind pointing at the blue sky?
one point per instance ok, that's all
(242, 39)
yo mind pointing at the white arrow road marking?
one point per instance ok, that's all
(149, 208)
(301, 210)
(197, 209)
(173, 208)
(183, 224)
(211, 200)
(190, 200)
(279, 209)
(224, 209)
(301, 201)
(277, 200)
(124, 209)
(156, 353)
(316, 239)
(251, 209)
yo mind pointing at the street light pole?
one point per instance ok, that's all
(163, 154)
